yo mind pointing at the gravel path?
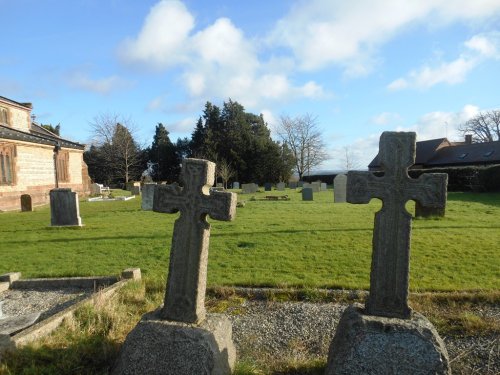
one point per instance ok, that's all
(44, 300)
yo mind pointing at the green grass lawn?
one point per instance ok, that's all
(270, 243)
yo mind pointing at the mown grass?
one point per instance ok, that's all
(271, 243)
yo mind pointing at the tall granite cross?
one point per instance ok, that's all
(187, 275)
(392, 232)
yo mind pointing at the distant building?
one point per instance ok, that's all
(34, 160)
(441, 153)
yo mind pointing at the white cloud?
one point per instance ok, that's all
(348, 33)
(217, 61)
(100, 86)
(477, 49)
(162, 39)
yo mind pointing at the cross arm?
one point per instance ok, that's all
(363, 186)
(221, 205)
(167, 198)
(430, 189)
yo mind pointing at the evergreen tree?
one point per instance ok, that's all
(164, 156)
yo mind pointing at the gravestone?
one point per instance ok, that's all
(268, 186)
(339, 188)
(324, 186)
(300, 184)
(26, 203)
(64, 208)
(292, 184)
(236, 185)
(135, 189)
(249, 188)
(316, 186)
(386, 337)
(307, 194)
(180, 338)
(148, 193)
(280, 186)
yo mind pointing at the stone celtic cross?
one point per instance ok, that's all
(392, 232)
(187, 275)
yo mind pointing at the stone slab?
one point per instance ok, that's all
(367, 344)
(164, 347)
(13, 324)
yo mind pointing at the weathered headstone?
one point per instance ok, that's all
(26, 203)
(300, 184)
(268, 186)
(280, 186)
(64, 208)
(324, 186)
(236, 185)
(292, 184)
(307, 194)
(387, 328)
(179, 338)
(135, 189)
(339, 188)
(148, 193)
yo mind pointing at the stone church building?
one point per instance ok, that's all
(34, 160)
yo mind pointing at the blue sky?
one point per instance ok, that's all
(360, 66)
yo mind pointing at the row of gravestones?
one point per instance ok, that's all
(383, 337)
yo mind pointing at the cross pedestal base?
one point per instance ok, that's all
(158, 346)
(366, 344)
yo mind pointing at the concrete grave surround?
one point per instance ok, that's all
(64, 208)
(386, 337)
(280, 186)
(26, 203)
(307, 194)
(339, 188)
(148, 192)
(366, 344)
(180, 338)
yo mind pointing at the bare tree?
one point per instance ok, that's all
(303, 138)
(484, 127)
(114, 138)
(349, 159)
(225, 171)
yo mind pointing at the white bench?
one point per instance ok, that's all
(98, 189)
